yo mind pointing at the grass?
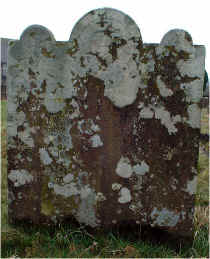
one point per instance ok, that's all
(203, 164)
(68, 242)
(65, 241)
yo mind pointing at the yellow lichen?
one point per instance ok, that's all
(47, 54)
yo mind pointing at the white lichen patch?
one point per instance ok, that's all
(163, 115)
(191, 186)
(44, 156)
(164, 217)
(139, 204)
(54, 219)
(94, 127)
(141, 105)
(11, 130)
(133, 208)
(193, 90)
(68, 178)
(116, 186)
(11, 197)
(76, 112)
(86, 211)
(139, 182)
(194, 114)
(57, 211)
(85, 191)
(53, 104)
(125, 195)
(180, 39)
(183, 214)
(20, 117)
(141, 169)
(26, 137)
(20, 177)
(146, 113)
(121, 78)
(49, 139)
(20, 195)
(174, 183)
(123, 95)
(124, 168)
(100, 197)
(164, 91)
(193, 68)
(53, 150)
(67, 190)
(95, 141)
(167, 120)
(50, 185)
(71, 188)
(162, 51)
(88, 127)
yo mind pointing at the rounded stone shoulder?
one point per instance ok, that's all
(32, 38)
(37, 32)
(180, 39)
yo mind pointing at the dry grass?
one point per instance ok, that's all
(201, 216)
(204, 121)
(203, 163)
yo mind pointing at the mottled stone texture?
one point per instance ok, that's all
(104, 128)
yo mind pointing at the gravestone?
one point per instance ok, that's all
(104, 128)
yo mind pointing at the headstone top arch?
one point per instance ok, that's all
(108, 21)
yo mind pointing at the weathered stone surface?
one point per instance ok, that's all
(104, 128)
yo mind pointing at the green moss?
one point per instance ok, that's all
(32, 34)
(47, 207)
(145, 53)
(48, 54)
(31, 73)
(178, 54)
(71, 51)
(11, 43)
(144, 60)
(60, 85)
(60, 44)
(50, 202)
(49, 39)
